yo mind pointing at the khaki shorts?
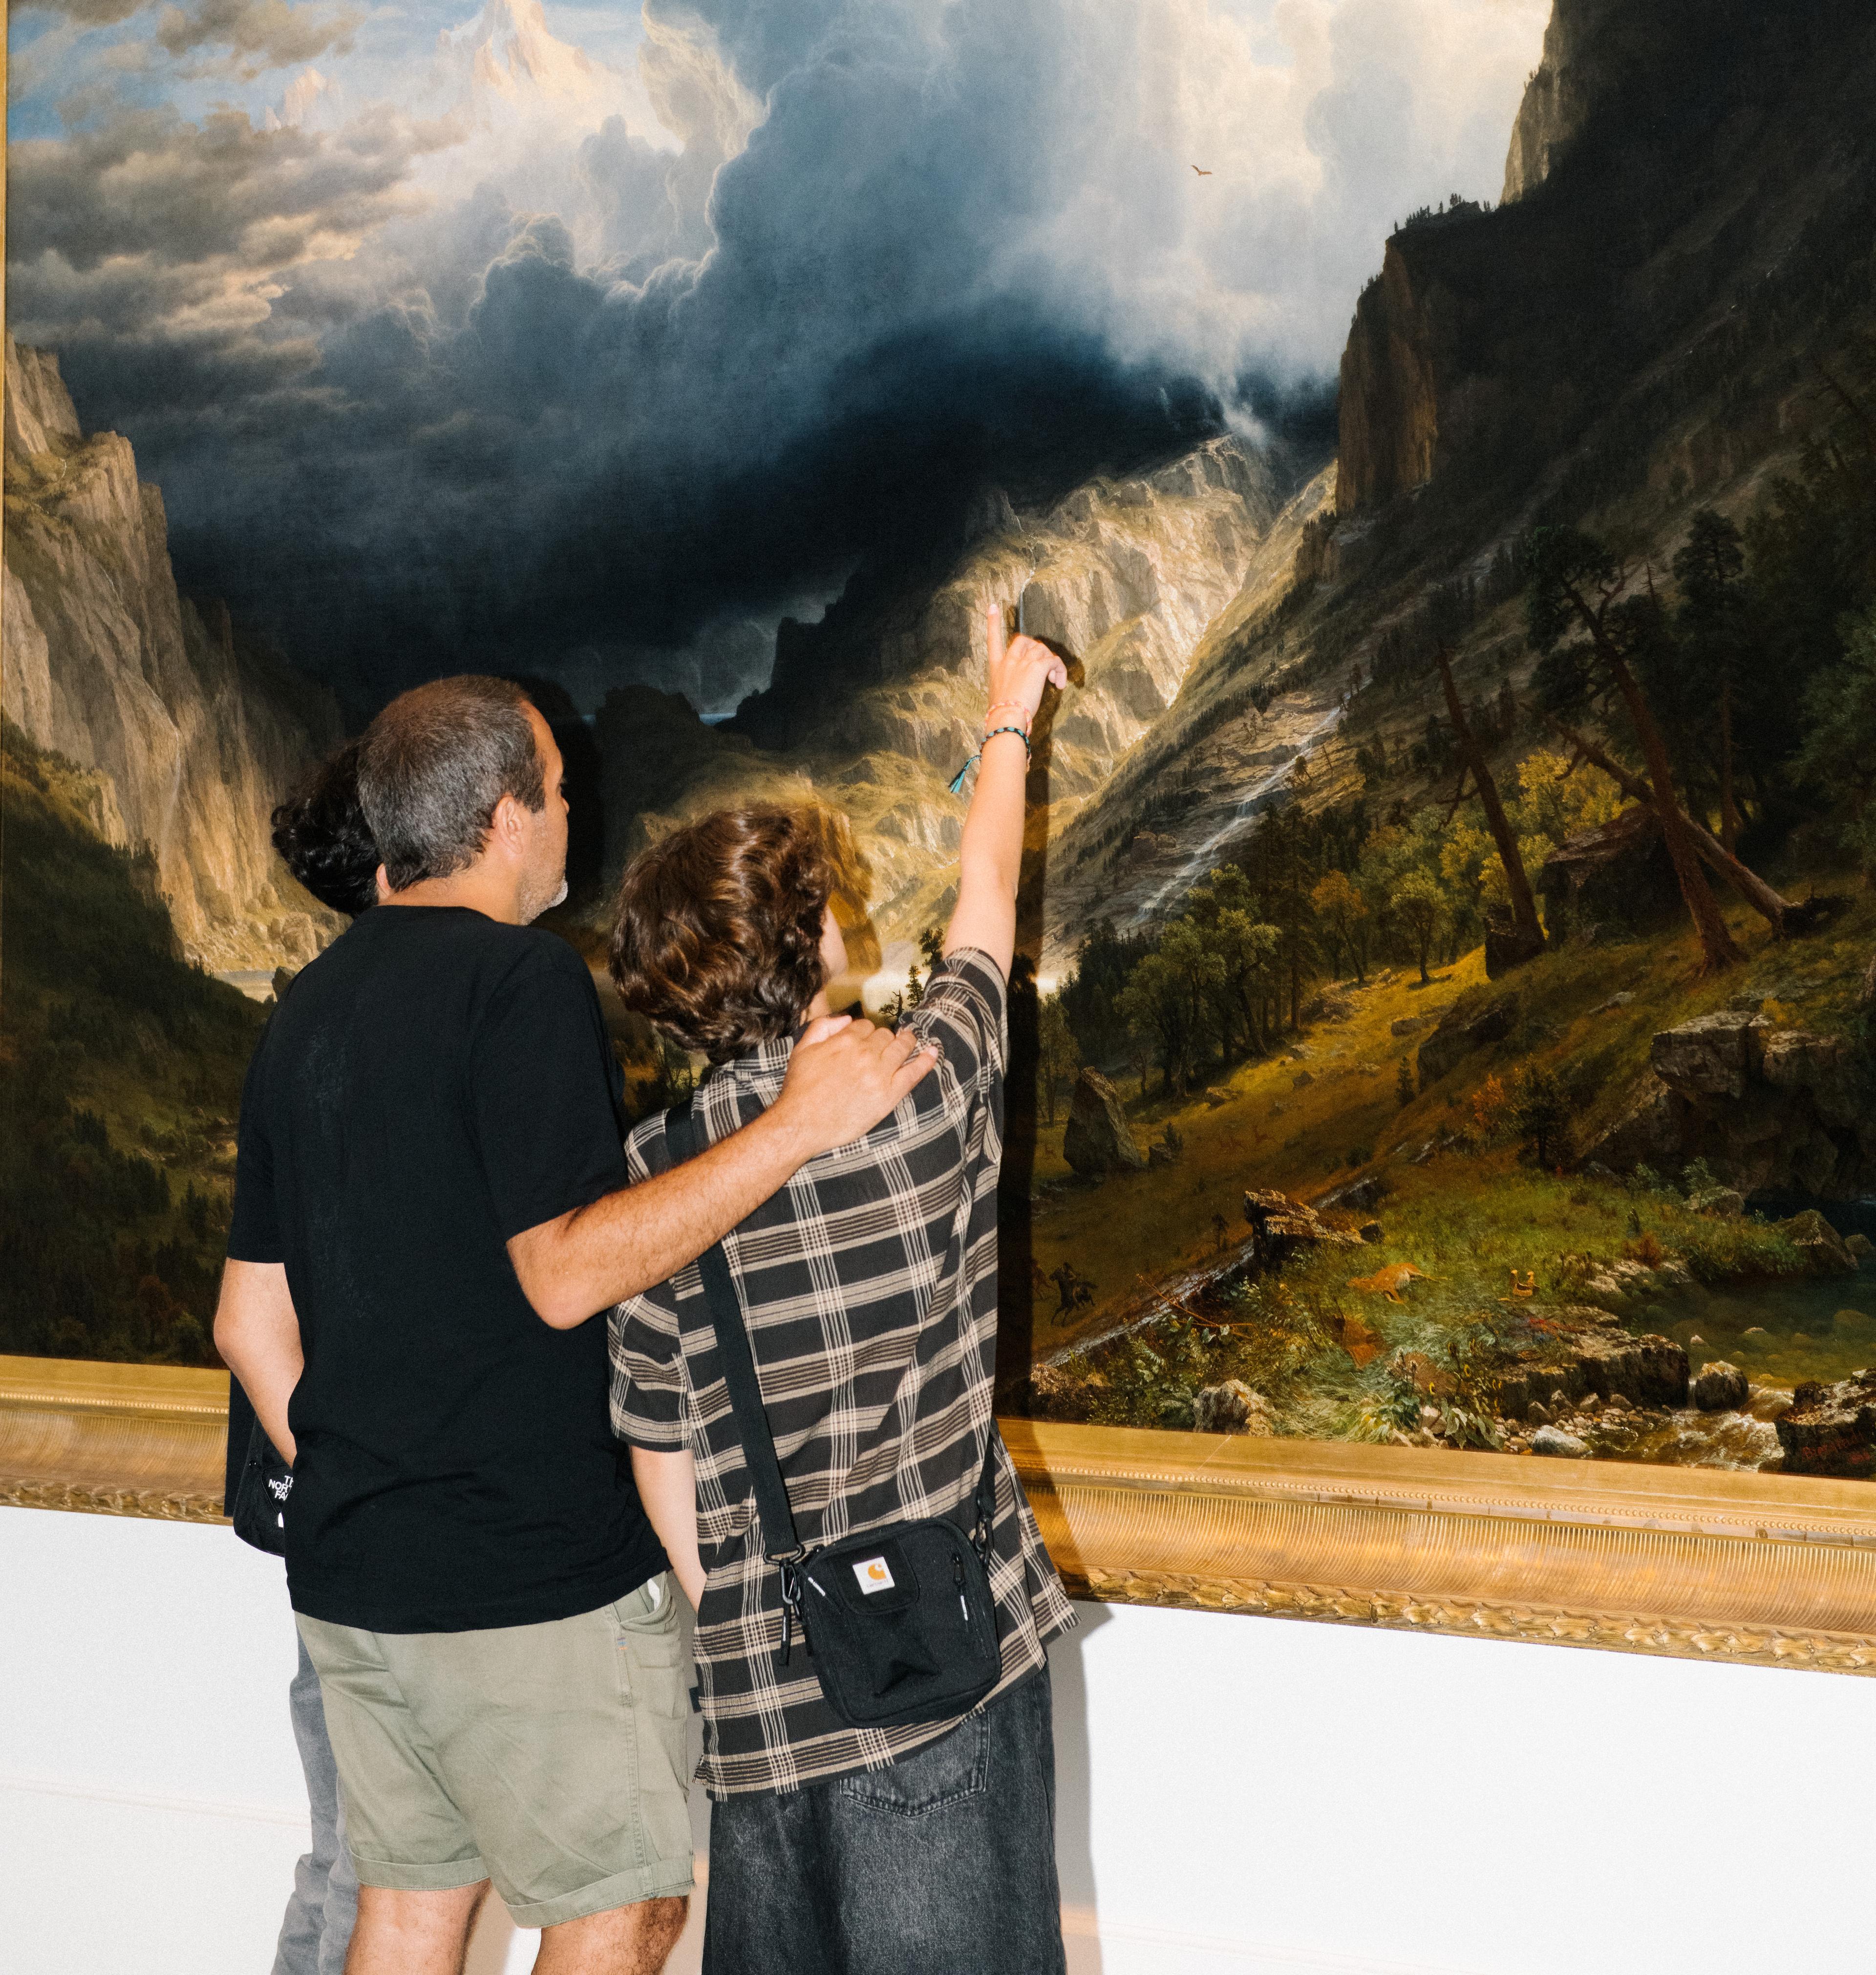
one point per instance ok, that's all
(549, 1759)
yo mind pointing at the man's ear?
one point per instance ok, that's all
(507, 831)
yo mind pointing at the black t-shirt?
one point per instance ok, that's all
(432, 1084)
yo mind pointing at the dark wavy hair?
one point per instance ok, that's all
(320, 831)
(717, 927)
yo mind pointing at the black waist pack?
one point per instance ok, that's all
(898, 1623)
(259, 1509)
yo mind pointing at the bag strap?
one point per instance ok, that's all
(685, 1135)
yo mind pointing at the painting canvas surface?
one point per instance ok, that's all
(1439, 434)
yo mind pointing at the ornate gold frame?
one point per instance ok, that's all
(1768, 1569)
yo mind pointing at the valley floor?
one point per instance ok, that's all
(1457, 1197)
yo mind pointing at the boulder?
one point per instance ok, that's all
(1553, 1441)
(1215, 1098)
(1649, 1131)
(1097, 1140)
(1821, 1245)
(1860, 1245)
(1823, 1067)
(1770, 1110)
(1506, 947)
(1515, 1392)
(1233, 1408)
(1159, 1155)
(1052, 1392)
(1412, 1025)
(1713, 1055)
(1719, 1388)
(1468, 1025)
(1588, 1352)
(1280, 1224)
(1649, 1370)
(1618, 875)
(1832, 1429)
(1370, 1231)
(1854, 1325)
(1721, 1201)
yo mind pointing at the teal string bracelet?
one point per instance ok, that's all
(956, 780)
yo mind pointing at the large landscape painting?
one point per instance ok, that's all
(1441, 435)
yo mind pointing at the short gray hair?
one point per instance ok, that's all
(433, 766)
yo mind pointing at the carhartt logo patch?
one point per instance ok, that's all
(873, 1575)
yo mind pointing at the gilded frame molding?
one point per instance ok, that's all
(1771, 1570)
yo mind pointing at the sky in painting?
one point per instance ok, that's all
(588, 342)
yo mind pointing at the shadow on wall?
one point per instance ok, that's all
(1074, 1848)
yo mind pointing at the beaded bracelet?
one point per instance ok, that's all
(956, 780)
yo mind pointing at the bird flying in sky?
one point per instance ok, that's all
(1202, 172)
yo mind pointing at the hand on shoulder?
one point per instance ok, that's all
(844, 1077)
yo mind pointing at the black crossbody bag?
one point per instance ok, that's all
(899, 1624)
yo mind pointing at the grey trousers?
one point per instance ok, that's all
(317, 1928)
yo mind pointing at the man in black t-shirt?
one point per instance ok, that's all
(430, 1208)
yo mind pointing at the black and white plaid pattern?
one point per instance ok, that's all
(869, 1287)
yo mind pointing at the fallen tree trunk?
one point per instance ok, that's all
(1786, 915)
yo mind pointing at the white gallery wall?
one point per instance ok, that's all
(1237, 1795)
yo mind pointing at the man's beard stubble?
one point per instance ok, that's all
(532, 905)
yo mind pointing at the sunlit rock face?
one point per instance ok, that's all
(1390, 405)
(195, 736)
(1586, 43)
(875, 708)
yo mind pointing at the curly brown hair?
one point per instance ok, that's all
(717, 927)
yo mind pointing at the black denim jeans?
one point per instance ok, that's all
(943, 1865)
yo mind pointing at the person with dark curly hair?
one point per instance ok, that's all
(323, 839)
(867, 1289)
(322, 835)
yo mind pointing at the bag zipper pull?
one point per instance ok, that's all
(956, 1576)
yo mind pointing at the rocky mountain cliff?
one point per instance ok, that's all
(193, 733)
(876, 707)
(1679, 175)
(1586, 43)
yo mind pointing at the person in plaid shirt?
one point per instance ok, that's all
(868, 1287)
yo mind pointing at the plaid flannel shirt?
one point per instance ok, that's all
(869, 1285)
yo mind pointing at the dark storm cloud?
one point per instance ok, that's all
(488, 438)
(542, 460)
